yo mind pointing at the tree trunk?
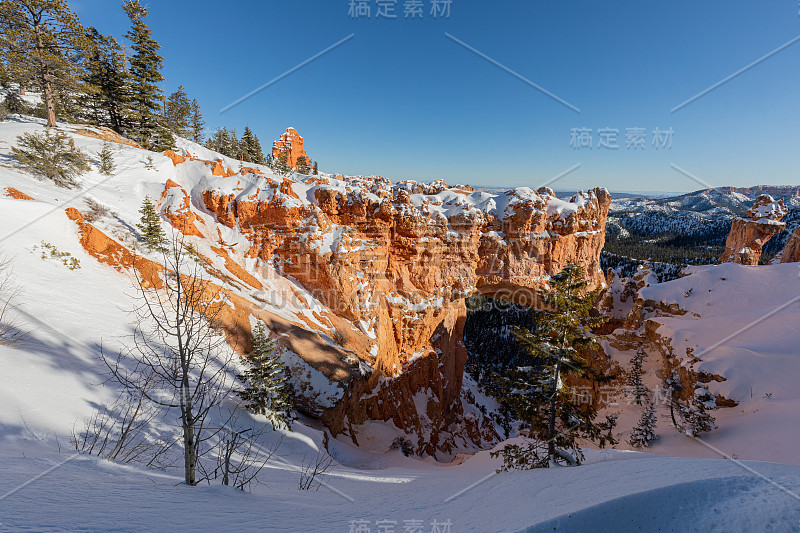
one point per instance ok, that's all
(47, 86)
(551, 423)
(189, 455)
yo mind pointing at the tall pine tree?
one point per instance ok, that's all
(537, 391)
(145, 74)
(252, 147)
(106, 97)
(645, 431)
(636, 388)
(178, 113)
(39, 40)
(266, 390)
(197, 122)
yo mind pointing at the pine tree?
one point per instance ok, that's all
(698, 419)
(302, 165)
(107, 166)
(637, 389)
(145, 74)
(281, 166)
(197, 123)
(225, 142)
(178, 113)
(316, 168)
(106, 96)
(645, 430)
(38, 43)
(673, 386)
(51, 156)
(537, 391)
(266, 389)
(150, 226)
(14, 104)
(252, 147)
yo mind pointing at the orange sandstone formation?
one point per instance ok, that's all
(749, 235)
(291, 144)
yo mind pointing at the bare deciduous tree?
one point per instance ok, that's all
(313, 471)
(10, 335)
(240, 457)
(178, 359)
(122, 432)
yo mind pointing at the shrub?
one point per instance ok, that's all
(52, 156)
(339, 337)
(404, 445)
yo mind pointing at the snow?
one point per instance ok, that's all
(56, 379)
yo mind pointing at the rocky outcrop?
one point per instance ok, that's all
(11, 192)
(791, 250)
(291, 144)
(749, 235)
(398, 262)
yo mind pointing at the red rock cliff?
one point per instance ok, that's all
(291, 144)
(749, 235)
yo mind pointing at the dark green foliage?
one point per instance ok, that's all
(145, 74)
(197, 123)
(106, 96)
(150, 227)
(52, 156)
(302, 165)
(39, 42)
(178, 113)
(251, 148)
(696, 416)
(14, 104)
(636, 389)
(316, 168)
(224, 142)
(281, 165)
(106, 156)
(538, 392)
(266, 390)
(645, 430)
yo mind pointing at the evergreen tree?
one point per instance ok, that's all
(698, 419)
(107, 166)
(537, 390)
(51, 156)
(281, 165)
(150, 226)
(178, 113)
(14, 104)
(252, 147)
(673, 386)
(645, 430)
(145, 74)
(39, 40)
(637, 389)
(302, 165)
(197, 123)
(106, 97)
(225, 142)
(316, 168)
(266, 390)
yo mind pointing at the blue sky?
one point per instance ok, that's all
(401, 99)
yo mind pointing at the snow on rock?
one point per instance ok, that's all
(749, 235)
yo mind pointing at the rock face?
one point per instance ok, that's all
(398, 262)
(291, 144)
(791, 250)
(749, 235)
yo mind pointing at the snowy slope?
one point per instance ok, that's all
(55, 380)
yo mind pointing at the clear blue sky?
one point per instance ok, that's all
(402, 100)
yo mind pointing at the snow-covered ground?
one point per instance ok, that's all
(55, 380)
